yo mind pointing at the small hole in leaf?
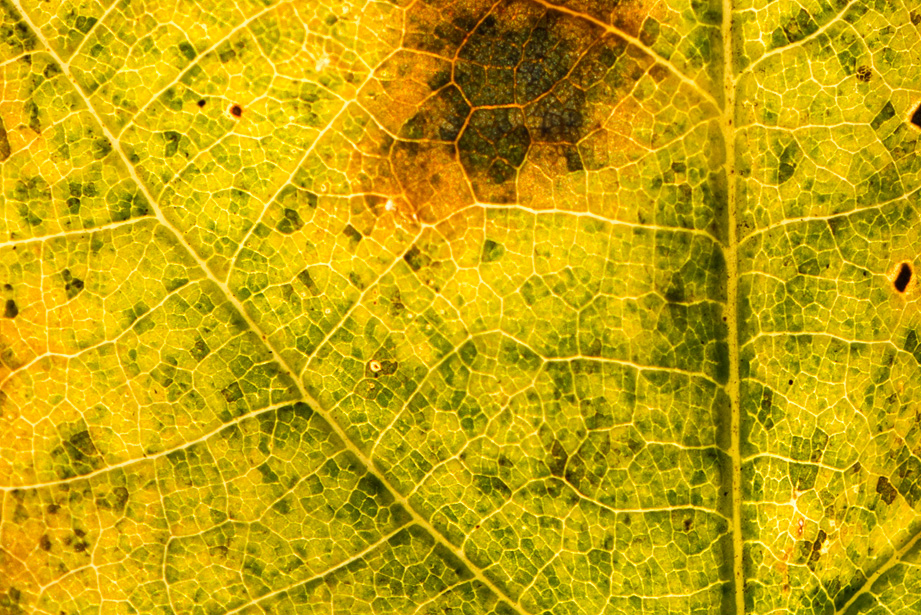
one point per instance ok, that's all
(236, 111)
(916, 117)
(904, 277)
(201, 103)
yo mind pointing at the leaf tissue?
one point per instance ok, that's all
(506, 307)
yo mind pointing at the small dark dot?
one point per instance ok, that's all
(201, 103)
(236, 111)
(904, 277)
(10, 310)
(916, 117)
(790, 382)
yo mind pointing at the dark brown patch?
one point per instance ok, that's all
(483, 92)
(885, 489)
(903, 278)
(236, 110)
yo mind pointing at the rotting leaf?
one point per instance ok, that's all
(515, 307)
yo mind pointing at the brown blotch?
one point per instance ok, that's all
(886, 491)
(916, 117)
(487, 100)
(236, 111)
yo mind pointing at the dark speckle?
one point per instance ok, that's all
(864, 73)
(904, 277)
(10, 310)
(201, 103)
(236, 111)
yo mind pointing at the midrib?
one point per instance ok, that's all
(732, 307)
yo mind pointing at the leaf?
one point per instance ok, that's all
(459, 307)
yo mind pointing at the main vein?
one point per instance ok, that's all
(732, 307)
(369, 466)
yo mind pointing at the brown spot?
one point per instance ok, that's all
(887, 492)
(236, 110)
(508, 102)
(903, 277)
(864, 73)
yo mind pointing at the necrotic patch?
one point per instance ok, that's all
(904, 277)
(483, 90)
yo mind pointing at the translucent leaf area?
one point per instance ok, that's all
(422, 307)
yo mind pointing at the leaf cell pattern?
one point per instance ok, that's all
(459, 306)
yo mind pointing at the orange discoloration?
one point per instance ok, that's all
(432, 179)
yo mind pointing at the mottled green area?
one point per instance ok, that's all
(511, 308)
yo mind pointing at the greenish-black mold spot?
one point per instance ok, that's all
(492, 486)
(73, 286)
(492, 251)
(353, 234)
(789, 160)
(84, 23)
(101, 148)
(5, 150)
(34, 115)
(172, 139)
(803, 475)
(187, 50)
(267, 473)
(290, 223)
(885, 114)
(416, 259)
(232, 393)
(305, 278)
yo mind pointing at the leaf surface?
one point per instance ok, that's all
(459, 306)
